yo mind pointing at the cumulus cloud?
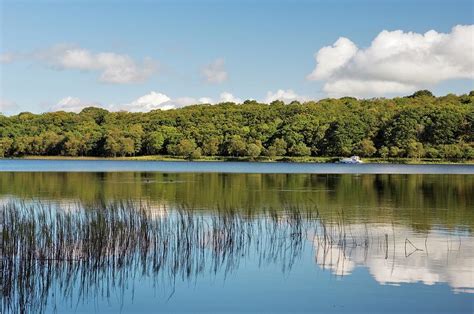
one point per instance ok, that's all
(155, 100)
(205, 100)
(228, 97)
(223, 97)
(215, 72)
(113, 68)
(331, 58)
(145, 103)
(72, 104)
(284, 95)
(151, 101)
(396, 62)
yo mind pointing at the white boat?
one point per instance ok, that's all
(351, 160)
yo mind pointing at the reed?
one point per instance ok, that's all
(89, 251)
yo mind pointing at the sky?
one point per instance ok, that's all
(143, 55)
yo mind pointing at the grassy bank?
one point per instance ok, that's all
(262, 159)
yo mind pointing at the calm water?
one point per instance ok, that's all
(225, 167)
(369, 238)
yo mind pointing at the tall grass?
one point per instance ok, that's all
(89, 251)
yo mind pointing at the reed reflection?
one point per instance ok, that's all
(46, 249)
(83, 253)
(419, 201)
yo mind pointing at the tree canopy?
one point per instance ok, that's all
(420, 125)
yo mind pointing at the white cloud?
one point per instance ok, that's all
(283, 95)
(155, 100)
(396, 62)
(72, 104)
(145, 103)
(215, 72)
(185, 101)
(331, 58)
(114, 68)
(151, 101)
(223, 97)
(357, 87)
(228, 97)
(205, 100)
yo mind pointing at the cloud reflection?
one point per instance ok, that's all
(397, 255)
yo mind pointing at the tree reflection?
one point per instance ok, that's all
(84, 252)
(87, 252)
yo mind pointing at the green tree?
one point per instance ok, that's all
(432, 152)
(343, 137)
(384, 152)
(127, 146)
(5, 146)
(21, 145)
(196, 154)
(184, 148)
(253, 150)
(270, 152)
(422, 93)
(415, 150)
(154, 143)
(395, 151)
(171, 134)
(73, 145)
(112, 146)
(444, 126)
(403, 129)
(280, 146)
(136, 133)
(97, 114)
(405, 126)
(210, 147)
(451, 151)
(300, 149)
(236, 146)
(467, 151)
(366, 148)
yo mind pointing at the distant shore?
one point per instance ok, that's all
(260, 159)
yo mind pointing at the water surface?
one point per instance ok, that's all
(281, 242)
(225, 167)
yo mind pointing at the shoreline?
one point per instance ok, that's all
(429, 161)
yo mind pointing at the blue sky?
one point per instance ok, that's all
(249, 49)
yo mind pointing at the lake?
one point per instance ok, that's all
(126, 236)
(99, 165)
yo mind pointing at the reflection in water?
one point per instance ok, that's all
(395, 255)
(84, 253)
(419, 201)
(46, 251)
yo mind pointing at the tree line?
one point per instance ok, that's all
(416, 126)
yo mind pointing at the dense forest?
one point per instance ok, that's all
(416, 126)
